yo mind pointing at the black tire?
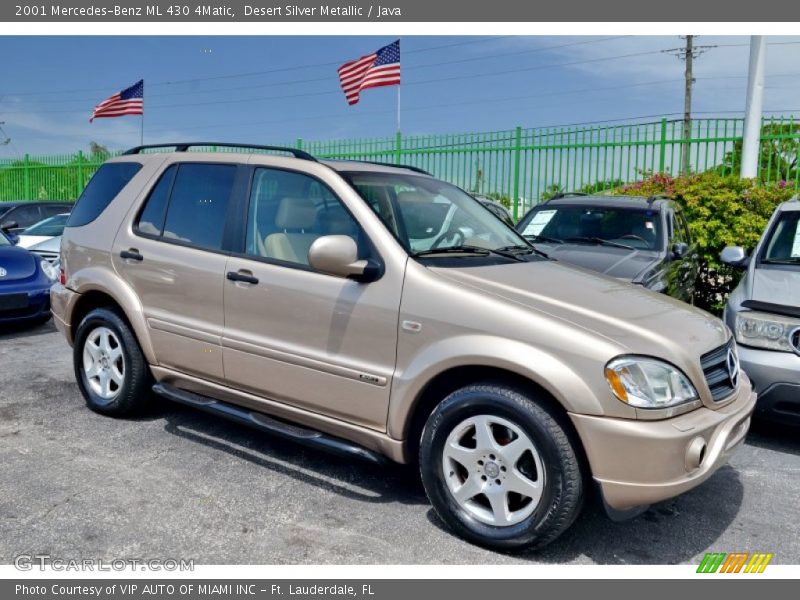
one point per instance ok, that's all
(563, 486)
(134, 394)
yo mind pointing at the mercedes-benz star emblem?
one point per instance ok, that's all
(3, 272)
(733, 368)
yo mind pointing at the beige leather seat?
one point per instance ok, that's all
(295, 215)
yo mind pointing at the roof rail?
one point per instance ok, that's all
(184, 147)
(560, 195)
(388, 164)
(654, 197)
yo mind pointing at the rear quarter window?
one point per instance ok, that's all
(102, 188)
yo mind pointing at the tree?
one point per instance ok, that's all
(777, 156)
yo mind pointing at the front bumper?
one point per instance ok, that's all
(776, 378)
(641, 462)
(37, 308)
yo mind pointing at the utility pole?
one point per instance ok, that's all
(753, 108)
(687, 104)
(687, 54)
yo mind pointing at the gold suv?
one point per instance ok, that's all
(378, 312)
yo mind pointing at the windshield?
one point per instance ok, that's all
(49, 227)
(633, 228)
(426, 214)
(4, 240)
(783, 245)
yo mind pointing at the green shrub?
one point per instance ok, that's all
(722, 211)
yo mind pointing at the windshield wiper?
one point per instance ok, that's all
(792, 260)
(465, 249)
(527, 250)
(543, 238)
(598, 240)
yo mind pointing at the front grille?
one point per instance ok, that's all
(717, 371)
(50, 257)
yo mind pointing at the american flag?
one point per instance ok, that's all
(374, 70)
(129, 101)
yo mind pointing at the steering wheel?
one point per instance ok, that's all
(447, 234)
(633, 236)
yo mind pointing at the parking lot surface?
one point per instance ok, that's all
(181, 484)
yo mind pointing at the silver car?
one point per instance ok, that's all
(764, 313)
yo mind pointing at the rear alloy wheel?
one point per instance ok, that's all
(499, 468)
(111, 370)
(103, 363)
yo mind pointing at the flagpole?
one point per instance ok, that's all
(141, 131)
(398, 108)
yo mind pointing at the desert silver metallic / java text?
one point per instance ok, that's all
(493, 470)
(104, 363)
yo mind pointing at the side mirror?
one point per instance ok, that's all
(338, 255)
(679, 249)
(734, 256)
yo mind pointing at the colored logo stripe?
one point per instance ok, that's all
(735, 562)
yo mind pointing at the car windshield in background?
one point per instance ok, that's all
(425, 214)
(783, 245)
(51, 227)
(630, 228)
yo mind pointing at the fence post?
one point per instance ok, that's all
(662, 156)
(398, 148)
(517, 156)
(26, 176)
(299, 143)
(80, 173)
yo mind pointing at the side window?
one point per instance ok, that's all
(25, 216)
(679, 233)
(288, 211)
(198, 204)
(151, 219)
(102, 188)
(53, 210)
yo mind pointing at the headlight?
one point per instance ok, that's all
(648, 383)
(763, 330)
(49, 270)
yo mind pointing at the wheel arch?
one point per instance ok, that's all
(104, 290)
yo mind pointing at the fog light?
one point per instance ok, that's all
(695, 453)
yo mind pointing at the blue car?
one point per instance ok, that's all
(25, 281)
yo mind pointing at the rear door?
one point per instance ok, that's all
(172, 254)
(323, 343)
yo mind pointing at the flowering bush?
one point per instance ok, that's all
(722, 211)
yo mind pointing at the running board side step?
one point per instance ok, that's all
(262, 422)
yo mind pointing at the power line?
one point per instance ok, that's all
(330, 78)
(407, 84)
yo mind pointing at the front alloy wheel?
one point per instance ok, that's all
(500, 466)
(493, 470)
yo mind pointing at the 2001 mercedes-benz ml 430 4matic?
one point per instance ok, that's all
(379, 312)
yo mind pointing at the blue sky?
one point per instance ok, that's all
(275, 89)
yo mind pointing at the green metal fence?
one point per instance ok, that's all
(518, 164)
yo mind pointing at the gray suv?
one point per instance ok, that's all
(764, 313)
(642, 240)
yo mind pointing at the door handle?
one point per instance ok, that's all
(131, 254)
(243, 276)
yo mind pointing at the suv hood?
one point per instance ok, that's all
(638, 320)
(614, 262)
(776, 286)
(17, 262)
